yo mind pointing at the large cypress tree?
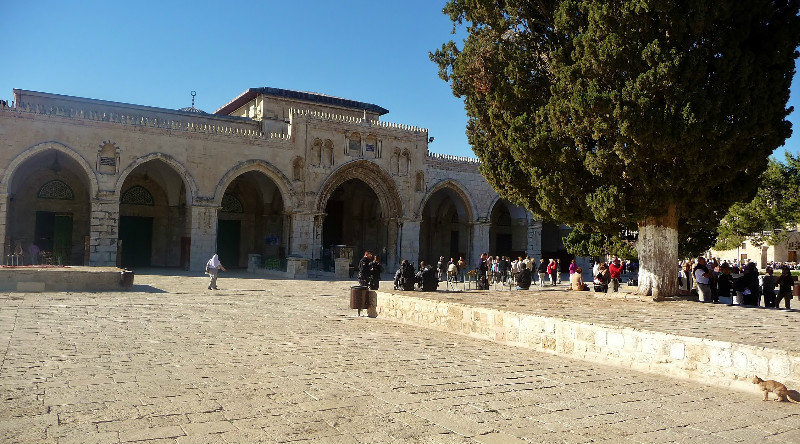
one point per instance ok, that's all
(651, 115)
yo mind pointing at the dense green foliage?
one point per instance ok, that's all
(775, 207)
(603, 113)
(597, 245)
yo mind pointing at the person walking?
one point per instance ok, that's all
(785, 285)
(212, 268)
(542, 270)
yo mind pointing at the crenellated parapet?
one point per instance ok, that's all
(453, 159)
(340, 118)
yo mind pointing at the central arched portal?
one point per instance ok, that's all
(354, 218)
(445, 227)
(251, 221)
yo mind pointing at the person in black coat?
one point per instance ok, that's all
(404, 278)
(427, 277)
(482, 270)
(376, 269)
(365, 269)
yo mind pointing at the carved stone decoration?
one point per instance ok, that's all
(55, 189)
(137, 195)
(108, 158)
(231, 204)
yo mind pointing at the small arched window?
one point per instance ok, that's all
(354, 144)
(137, 195)
(231, 204)
(405, 163)
(420, 185)
(316, 153)
(55, 189)
(327, 154)
(297, 169)
(394, 163)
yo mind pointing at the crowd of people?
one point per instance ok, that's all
(520, 273)
(718, 281)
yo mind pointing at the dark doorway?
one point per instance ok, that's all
(136, 236)
(503, 244)
(332, 225)
(228, 236)
(454, 253)
(53, 232)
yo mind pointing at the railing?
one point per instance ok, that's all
(142, 120)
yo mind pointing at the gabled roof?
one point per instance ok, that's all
(304, 96)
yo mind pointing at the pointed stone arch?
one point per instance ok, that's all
(13, 166)
(271, 171)
(180, 168)
(373, 175)
(459, 190)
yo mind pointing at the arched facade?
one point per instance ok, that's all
(277, 173)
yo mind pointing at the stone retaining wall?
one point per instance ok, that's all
(713, 362)
(72, 279)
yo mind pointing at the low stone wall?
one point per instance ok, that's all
(708, 361)
(35, 279)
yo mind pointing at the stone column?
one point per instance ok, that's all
(204, 235)
(534, 249)
(319, 220)
(302, 237)
(480, 240)
(409, 240)
(391, 261)
(104, 230)
(3, 225)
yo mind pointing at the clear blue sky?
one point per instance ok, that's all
(154, 53)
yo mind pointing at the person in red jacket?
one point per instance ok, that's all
(552, 269)
(615, 270)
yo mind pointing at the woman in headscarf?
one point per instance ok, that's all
(212, 267)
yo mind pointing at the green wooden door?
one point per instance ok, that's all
(228, 235)
(62, 238)
(136, 234)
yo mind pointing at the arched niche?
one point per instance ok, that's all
(153, 216)
(445, 228)
(251, 220)
(49, 205)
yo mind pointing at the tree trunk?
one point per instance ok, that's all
(658, 255)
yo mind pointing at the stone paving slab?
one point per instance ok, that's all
(286, 361)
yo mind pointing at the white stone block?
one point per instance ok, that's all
(677, 351)
(616, 340)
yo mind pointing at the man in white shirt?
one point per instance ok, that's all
(212, 267)
(701, 278)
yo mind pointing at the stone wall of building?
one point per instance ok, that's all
(202, 158)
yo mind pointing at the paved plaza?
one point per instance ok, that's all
(286, 361)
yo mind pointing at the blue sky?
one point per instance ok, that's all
(154, 53)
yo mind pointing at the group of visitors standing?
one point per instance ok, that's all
(370, 270)
(712, 280)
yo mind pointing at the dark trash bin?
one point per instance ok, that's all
(358, 297)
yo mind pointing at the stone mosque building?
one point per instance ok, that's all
(274, 172)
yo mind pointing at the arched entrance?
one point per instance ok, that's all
(153, 217)
(251, 220)
(508, 230)
(359, 194)
(354, 218)
(49, 205)
(445, 227)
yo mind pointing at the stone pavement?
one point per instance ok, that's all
(287, 361)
